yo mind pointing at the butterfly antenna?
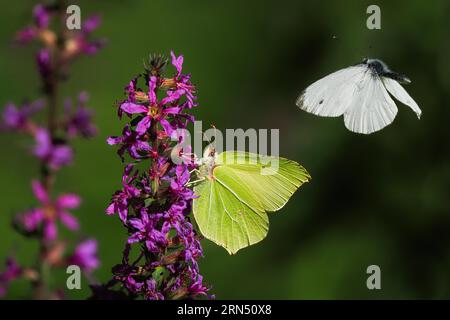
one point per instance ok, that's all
(203, 135)
(215, 133)
(215, 130)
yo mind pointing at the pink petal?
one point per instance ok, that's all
(68, 201)
(111, 209)
(177, 62)
(132, 108)
(172, 110)
(136, 223)
(134, 238)
(166, 126)
(69, 220)
(39, 191)
(143, 125)
(32, 219)
(114, 140)
(151, 90)
(123, 214)
(50, 230)
(43, 143)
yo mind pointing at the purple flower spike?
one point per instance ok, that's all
(52, 134)
(154, 203)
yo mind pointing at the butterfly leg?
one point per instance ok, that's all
(190, 183)
(194, 170)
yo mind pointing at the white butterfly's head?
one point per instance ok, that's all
(378, 66)
(381, 69)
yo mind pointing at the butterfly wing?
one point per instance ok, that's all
(231, 209)
(227, 220)
(372, 108)
(401, 95)
(332, 95)
(269, 180)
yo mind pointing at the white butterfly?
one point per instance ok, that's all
(360, 93)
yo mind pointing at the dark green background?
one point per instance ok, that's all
(380, 199)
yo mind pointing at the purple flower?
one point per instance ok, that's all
(174, 218)
(155, 205)
(182, 82)
(52, 150)
(121, 198)
(133, 143)
(12, 272)
(43, 60)
(197, 287)
(133, 285)
(18, 119)
(50, 211)
(91, 23)
(154, 239)
(177, 62)
(178, 182)
(55, 155)
(152, 293)
(90, 47)
(81, 44)
(25, 35)
(41, 16)
(79, 121)
(41, 19)
(154, 110)
(85, 255)
(130, 90)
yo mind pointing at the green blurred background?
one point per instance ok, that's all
(381, 199)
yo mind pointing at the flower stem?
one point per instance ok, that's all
(51, 85)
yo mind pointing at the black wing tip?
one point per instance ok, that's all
(300, 99)
(400, 78)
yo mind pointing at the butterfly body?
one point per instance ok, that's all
(360, 93)
(380, 69)
(207, 163)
